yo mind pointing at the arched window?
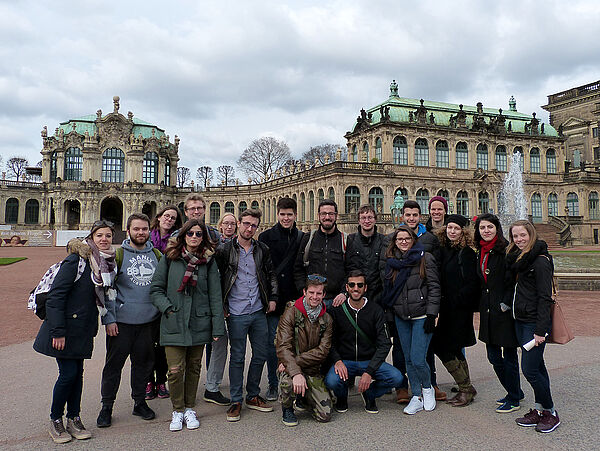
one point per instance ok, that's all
(320, 195)
(421, 152)
(73, 164)
(167, 171)
(366, 151)
(354, 154)
(400, 150)
(311, 205)
(113, 165)
(552, 204)
(462, 203)
(442, 154)
(331, 194)
(263, 206)
(593, 205)
(268, 210)
(482, 157)
(53, 167)
(501, 158)
(534, 160)
(462, 156)
(32, 211)
(229, 207)
(302, 207)
(573, 204)
(242, 206)
(551, 161)
(11, 211)
(378, 150)
(444, 193)
(254, 205)
(352, 199)
(483, 200)
(536, 207)
(376, 199)
(215, 212)
(423, 199)
(150, 170)
(519, 150)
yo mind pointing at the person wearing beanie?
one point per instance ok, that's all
(438, 213)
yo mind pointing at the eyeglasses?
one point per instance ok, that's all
(328, 214)
(195, 208)
(404, 240)
(103, 223)
(358, 284)
(367, 218)
(317, 278)
(229, 224)
(169, 217)
(191, 234)
(249, 225)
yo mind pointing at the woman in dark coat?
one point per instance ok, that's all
(496, 326)
(460, 295)
(71, 323)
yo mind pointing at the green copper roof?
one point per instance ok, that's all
(88, 124)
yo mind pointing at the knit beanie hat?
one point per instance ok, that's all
(439, 199)
(457, 219)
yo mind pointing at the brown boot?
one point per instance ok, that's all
(464, 398)
(453, 399)
(402, 396)
(439, 394)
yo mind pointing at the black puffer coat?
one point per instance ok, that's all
(495, 327)
(363, 252)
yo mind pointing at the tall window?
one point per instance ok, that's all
(551, 161)
(534, 160)
(483, 202)
(53, 167)
(593, 205)
(167, 171)
(501, 158)
(552, 204)
(331, 194)
(311, 205)
(354, 153)
(400, 150)
(365, 152)
(73, 164)
(423, 199)
(215, 212)
(268, 210)
(536, 207)
(378, 150)
(113, 165)
(242, 206)
(376, 199)
(254, 205)
(519, 150)
(462, 203)
(11, 211)
(462, 156)
(573, 204)
(482, 157)
(32, 211)
(229, 208)
(352, 199)
(150, 170)
(444, 193)
(320, 196)
(442, 154)
(421, 152)
(302, 207)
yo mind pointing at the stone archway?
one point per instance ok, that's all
(149, 209)
(72, 214)
(111, 209)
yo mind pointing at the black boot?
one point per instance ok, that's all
(104, 417)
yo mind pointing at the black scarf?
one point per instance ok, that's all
(403, 267)
(526, 261)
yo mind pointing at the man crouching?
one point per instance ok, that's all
(302, 342)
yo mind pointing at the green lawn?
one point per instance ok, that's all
(574, 252)
(10, 260)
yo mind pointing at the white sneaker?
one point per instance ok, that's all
(415, 405)
(429, 398)
(176, 422)
(190, 419)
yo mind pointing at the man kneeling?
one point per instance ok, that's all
(360, 345)
(303, 341)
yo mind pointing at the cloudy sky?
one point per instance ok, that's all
(222, 73)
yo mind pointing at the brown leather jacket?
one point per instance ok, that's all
(313, 340)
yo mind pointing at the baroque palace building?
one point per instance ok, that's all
(110, 166)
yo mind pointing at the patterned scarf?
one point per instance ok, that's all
(104, 270)
(486, 247)
(190, 278)
(312, 313)
(403, 267)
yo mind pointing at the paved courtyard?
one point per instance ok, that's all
(28, 378)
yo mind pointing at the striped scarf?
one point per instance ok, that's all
(190, 278)
(104, 271)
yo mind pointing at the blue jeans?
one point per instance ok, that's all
(506, 365)
(67, 389)
(386, 377)
(272, 361)
(415, 343)
(253, 326)
(533, 366)
(398, 359)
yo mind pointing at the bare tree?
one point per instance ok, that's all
(263, 157)
(204, 176)
(183, 176)
(319, 152)
(226, 174)
(15, 167)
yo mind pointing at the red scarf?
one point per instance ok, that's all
(486, 247)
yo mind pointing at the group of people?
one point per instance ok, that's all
(322, 309)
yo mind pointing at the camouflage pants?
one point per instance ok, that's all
(317, 396)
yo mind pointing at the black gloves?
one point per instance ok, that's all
(429, 324)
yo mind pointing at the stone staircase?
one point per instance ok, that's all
(548, 233)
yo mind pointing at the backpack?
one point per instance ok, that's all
(39, 295)
(310, 238)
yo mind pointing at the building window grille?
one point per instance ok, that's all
(482, 157)
(442, 154)
(462, 203)
(376, 199)
(113, 165)
(421, 152)
(552, 205)
(501, 158)
(551, 161)
(423, 199)
(536, 207)
(73, 164)
(400, 150)
(593, 205)
(573, 204)
(534, 160)
(462, 156)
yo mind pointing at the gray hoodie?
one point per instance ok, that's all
(133, 304)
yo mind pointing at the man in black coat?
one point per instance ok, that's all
(283, 240)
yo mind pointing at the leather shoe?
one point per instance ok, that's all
(104, 417)
(141, 409)
(402, 396)
(439, 394)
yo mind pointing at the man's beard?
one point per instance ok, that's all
(328, 227)
(137, 241)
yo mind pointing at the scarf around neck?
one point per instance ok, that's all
(159, 242)
(403, 267)
(486, 247)
(103, 272)
(190, 278)
(312, 313)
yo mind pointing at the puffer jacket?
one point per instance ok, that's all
(227, 257)
(313, 340)
(364, 252)
(531, 279)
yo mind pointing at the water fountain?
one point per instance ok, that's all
(512, 204)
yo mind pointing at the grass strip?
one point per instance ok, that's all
(10, 260)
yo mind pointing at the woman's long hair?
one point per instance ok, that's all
(465, 239)
(176, 225)
(392, 250)
(175, 246)
(532, 237)
(494, 220)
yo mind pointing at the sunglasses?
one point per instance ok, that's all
(317, 278)
(358, 284)
(191, 234)
(103, 223)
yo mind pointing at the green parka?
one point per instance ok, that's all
(192, 319)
